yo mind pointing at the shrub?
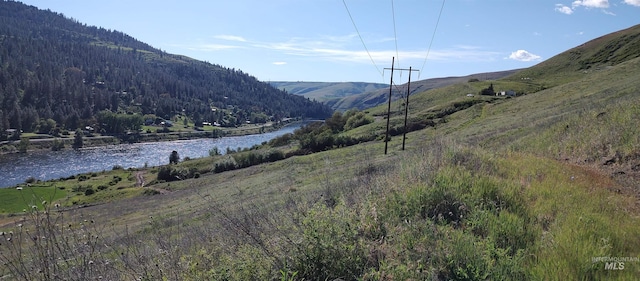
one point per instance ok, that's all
(356, 120)
(78, 139)
(281, 140)
(330, 247)
(214, 151)
(150, 192)
(57, 145)
(174, 158)
(81, 188)
(89, 191)
(23, 146)
(168, 173)
(224, 165)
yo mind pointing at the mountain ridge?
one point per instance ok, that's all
(343, 96)
(56, 68)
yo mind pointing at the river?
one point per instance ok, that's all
(47, 165)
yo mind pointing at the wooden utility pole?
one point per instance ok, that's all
(406, 109)
(386, 137)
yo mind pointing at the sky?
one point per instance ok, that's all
(357, 40)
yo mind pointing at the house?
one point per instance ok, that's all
(509, 93)
(13, 133)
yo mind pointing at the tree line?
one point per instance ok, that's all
(55, 68)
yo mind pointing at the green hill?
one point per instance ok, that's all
(327, 91)
(343, 96)
(540, 186)
(373, 98)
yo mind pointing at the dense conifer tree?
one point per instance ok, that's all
(52, 67)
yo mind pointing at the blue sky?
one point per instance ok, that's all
(322, 40)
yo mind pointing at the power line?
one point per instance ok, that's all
(432, 36)
(395, 34)
(361, 40)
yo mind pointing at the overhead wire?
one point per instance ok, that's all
(432, 37)
(395, 35)
(362, 40)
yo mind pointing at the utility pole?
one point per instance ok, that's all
(386, 138)
(406, 109)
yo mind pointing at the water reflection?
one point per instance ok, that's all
(46, 165)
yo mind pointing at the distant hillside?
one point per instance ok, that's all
(595, 55)
(55, 68)
(326, 91)
(380, 96)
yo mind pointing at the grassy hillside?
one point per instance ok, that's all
(325, 91)
(576, 63)
(535, 187)
(374, 98)
(343, 96)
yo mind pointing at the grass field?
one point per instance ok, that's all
(535, 187)
(14, 200)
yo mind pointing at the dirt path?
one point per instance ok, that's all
(140, 183)
(140, 179)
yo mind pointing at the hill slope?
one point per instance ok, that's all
(595, 55)
(535, 187)
(55, 68)
(377, 97)
(325, 91)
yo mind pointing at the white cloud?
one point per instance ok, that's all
(335, 52)
(213, 47)
(345, 49)
(230, 38)
(633, 2)
(523, 55)
(563, 9)
(591, 3)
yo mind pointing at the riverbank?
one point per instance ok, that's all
(42, 143)
(43, 165)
